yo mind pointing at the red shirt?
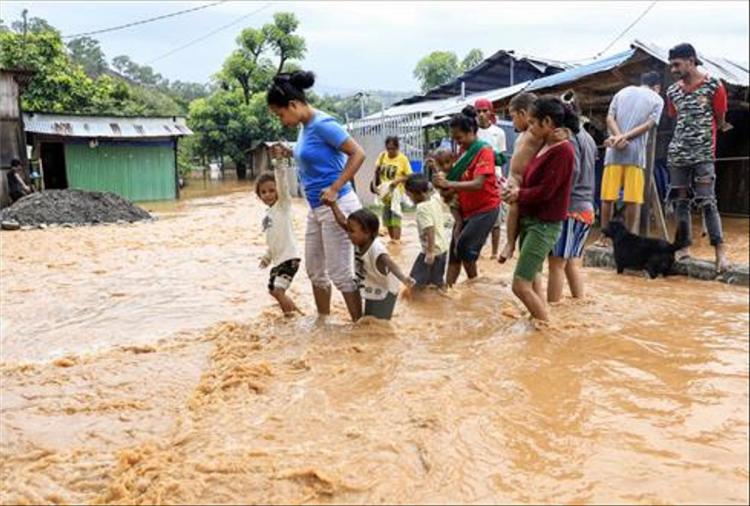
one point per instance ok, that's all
(545, 187)
(486, 199)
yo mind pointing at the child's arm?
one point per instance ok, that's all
(340, 218)
(385, 264)
(281, 171)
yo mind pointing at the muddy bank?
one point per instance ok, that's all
(128, 390)
(74, 207)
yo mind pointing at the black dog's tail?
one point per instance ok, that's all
(681, 237)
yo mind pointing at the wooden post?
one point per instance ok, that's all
(658, 211)
(645, 217)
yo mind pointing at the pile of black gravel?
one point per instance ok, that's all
(71, 207)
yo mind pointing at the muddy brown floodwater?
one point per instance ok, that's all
(146, 364)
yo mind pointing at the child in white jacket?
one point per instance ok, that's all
(282, 253)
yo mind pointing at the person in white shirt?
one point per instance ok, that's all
(495, 137)
(377, 274)
(282, 253)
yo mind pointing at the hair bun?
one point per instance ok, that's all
(469, 111)
(302, 79)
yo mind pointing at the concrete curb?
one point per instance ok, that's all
(596, 256)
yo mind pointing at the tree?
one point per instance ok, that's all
(234, 117)
(34, 25)
(439, 67)
(60, 83)
(88, 54)
(285, 44)
(472, 59)
(57, 85)
(141, 74)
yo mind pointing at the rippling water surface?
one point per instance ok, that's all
(146, 364)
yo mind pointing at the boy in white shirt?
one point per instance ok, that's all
(495, 137)
(273, 190)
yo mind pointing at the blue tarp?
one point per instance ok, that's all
(577, 73)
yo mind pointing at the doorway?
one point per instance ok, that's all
(53, 165)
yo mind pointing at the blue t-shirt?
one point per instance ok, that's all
(319, 161)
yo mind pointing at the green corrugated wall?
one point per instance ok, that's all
(136, 172)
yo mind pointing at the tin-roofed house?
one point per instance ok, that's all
(135, 157)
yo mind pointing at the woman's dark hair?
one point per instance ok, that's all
(262, 179)
(367, 220)
(417, 183)
(290, 86)
(15, 162)
(562, 115)
(466, 120)
(522, 102)
(392, 139)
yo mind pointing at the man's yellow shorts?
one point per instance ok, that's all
(629, 177)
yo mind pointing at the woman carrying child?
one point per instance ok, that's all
(392, 168)
(543, 199)
(473, 179)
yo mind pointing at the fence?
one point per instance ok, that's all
(371, 133)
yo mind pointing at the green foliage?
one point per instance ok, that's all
(234, 118)
(440, 67)
(34, 25)
(141, 74)
(87, 53)
(76, 78)
(280, 36)
(472, 59)
(58, 85)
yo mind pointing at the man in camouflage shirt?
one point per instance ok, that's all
(699, 102)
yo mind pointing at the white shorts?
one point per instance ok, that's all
(329, 254)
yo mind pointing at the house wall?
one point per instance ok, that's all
(137, 171)
(12, 143)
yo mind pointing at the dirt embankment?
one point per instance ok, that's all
(74, 207)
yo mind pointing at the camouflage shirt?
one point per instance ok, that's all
(695, 131)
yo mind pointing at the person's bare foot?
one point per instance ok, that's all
(682, 254)
(506, 254)
(722, 264)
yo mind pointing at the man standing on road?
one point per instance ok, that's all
(17, 187)
(699, 102)
(495, 137)
(633, 112)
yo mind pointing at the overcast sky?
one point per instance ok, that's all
(375, 45)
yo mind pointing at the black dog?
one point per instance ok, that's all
(656, 256)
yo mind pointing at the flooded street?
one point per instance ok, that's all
(146, 363)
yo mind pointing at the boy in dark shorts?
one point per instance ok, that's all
(429, 267)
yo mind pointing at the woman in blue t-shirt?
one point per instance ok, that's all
(327, 159)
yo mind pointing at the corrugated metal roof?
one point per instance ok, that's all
(425, 107)
(104, 126)
(491, 73)
(574, 74)
(723, 68)
(491, 95)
